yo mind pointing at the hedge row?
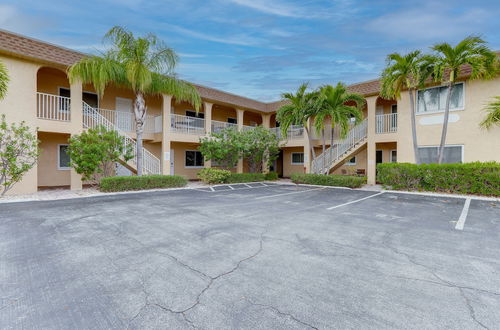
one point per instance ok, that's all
(125, 183)
(245, 177)
(329, 180)
(469, 178)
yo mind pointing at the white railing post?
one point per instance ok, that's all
(387, 123)
(53, 107)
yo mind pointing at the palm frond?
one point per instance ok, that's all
(493, 114)
(4, 80)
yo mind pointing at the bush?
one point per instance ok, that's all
(125, 183)
(329, 180)
(470, 178)
(271, 176)
(214, 175)
(245, 177)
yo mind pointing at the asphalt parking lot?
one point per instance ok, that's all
(251, 257)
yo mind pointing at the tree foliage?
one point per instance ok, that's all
(4, 80)
(18, 153)
(493, 114)
(223, 148)
(144, 64)
(93, 153)
(259, 145)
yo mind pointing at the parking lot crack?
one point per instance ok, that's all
(283, 314)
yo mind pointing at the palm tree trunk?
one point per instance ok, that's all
(413, 126)
(140, 115)
(324, 148)
(445, 123)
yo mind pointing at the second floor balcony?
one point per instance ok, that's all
(387, 123)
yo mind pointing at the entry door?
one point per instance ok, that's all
(379, 156)
(124, 116)
(379, 121)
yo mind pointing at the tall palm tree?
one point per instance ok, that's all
(493, 116)
(4, 80)
(409, 71)
(144, 64)
(297, 112)
(449, 60)
(334, 103)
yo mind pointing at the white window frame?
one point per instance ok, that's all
(392, 159)
(59, 158)
(448, 145)
(186, 166)
(440, 111)
(291, 156)
(349, 163)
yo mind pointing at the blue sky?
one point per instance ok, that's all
(261, 48)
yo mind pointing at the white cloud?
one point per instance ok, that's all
(430, 22)
(273, 7)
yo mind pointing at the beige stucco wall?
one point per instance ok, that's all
(19, 105)
(479, 144)
(361, 163)
(288, 168)
(48, 172)
(179, 160)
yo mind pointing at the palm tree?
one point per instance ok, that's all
(409, 71)
(297, 112)
(449, 60)
(493, 116)
(333, 103)
(4, 80)
(144, 64)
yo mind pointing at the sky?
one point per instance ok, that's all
(262, 48)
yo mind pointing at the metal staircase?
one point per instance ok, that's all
(150, 163)
(340, 150)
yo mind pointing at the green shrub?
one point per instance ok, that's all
(329, 180)
(125, 183)
(214, 175)
(469, 178)
(271, 176)
(245, 177)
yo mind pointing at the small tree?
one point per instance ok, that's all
(18, 153)
(94, 152)
(4, 80)
(259, 145)
(223, 147)
(493, 114)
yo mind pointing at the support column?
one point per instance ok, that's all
(371, 103)
(266, 123)
(76, 100)
(208, 127)
(239, 121)
(307, 150)
(165, 142)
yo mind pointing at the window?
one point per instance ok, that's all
(194, 159)
(351, 161)
(394, 156)
(394, 108)
(191, 113)
(452, 154)
(297, 158)
(434, 99)
(63, 157)
(232, 120)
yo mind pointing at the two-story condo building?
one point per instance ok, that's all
(40, 94)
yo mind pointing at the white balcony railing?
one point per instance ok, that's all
(293, 133)
(386, 123)
(53, 107)
(247, 128)
(125, 121)
(218, 126)
(187, 125)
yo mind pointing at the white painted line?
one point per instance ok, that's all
(212, 188)
(355, 201)
(248, 186)
(230, 187)
(290, 193)
(463, 216)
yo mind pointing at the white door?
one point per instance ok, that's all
(124, 116)
(172, 153)
(379, 121)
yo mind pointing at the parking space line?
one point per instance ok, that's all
(232, 188)
(290, 193)
(354, 201)
(212, 188)
(248, 186)
(463, 216)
